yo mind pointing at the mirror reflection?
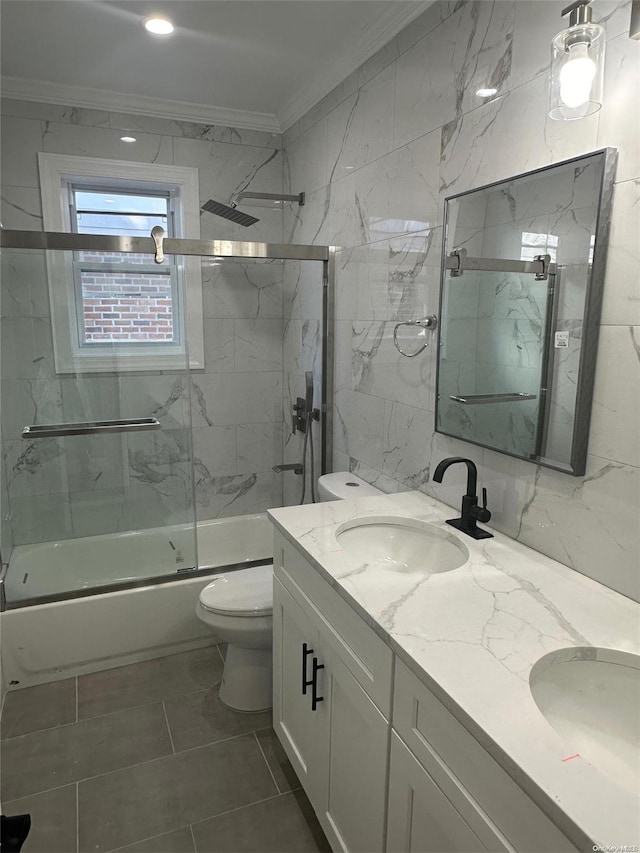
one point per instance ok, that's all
(520, 298)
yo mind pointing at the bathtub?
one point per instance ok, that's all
(57, 625)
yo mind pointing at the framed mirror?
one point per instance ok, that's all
(520, 295)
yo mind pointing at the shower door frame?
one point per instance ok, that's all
(223, 249)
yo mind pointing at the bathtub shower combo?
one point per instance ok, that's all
(124, 490)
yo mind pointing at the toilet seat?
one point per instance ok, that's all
(246, 592)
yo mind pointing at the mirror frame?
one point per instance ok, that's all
(591, 315)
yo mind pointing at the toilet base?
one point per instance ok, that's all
(247, 679)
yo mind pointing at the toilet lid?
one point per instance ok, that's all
(246, 592)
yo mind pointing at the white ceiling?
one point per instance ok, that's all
(249, 63)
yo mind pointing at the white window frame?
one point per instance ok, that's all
(57, 171)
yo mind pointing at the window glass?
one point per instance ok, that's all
(133, 306)
(119, 213)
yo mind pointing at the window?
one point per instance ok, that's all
(122, 311)
(123, 297)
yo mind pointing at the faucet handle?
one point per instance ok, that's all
(482, 514)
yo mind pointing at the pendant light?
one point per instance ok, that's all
(577, 66)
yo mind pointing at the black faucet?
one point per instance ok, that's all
(471, 512)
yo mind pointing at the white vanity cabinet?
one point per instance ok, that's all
(332, 731)
(497, 810)
(293, 719)
(424, 786)
(422, 819)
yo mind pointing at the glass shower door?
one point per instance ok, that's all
(263, 332)
(100, 489)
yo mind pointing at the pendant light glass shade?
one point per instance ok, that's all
(577, 70)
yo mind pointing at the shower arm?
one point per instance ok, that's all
(237, 197)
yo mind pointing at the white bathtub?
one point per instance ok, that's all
(79, 565)
(60, 639)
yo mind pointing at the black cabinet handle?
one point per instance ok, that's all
(306, 651)
(314, 685)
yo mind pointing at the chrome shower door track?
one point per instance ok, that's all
(240, 249)
(121, 586)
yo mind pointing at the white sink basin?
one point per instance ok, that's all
(402, 544)
(591, 697)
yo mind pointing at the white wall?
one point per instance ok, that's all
(377, 157)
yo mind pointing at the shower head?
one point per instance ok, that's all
(229, 212)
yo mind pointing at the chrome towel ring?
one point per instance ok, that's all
(428, 322)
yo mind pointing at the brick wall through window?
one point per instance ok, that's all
(126, 307)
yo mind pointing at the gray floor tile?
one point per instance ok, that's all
(199, 718)
(283, 772)
(285, 824)
(41, 707)
(53, 820)
(160, 796)
(150, 681)
(43, 760)
(179, 841)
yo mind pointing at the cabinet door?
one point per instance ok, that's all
(293, 720)
(355, 738)
(421, 819)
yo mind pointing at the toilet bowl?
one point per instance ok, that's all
(238, 606)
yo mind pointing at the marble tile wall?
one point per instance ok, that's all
(76, 487)
(379, 155)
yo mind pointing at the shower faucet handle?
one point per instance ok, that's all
(299, 415)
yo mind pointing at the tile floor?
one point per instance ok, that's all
(146, 759)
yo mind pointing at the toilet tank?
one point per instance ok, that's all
(341, 485)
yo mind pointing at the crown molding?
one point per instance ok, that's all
(374, 37)
(127, 102)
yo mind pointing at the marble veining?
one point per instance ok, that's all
(476, 632)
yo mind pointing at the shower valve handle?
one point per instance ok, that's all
(299, 415)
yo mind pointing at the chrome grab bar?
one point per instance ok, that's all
(91, 428)
(475, 399)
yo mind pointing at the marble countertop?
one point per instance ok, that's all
(473, 636)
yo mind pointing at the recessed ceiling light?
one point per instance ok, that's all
(158, 26)
(128, 138)
(486, 93)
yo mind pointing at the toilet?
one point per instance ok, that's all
(342, 485)
(238, 606)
